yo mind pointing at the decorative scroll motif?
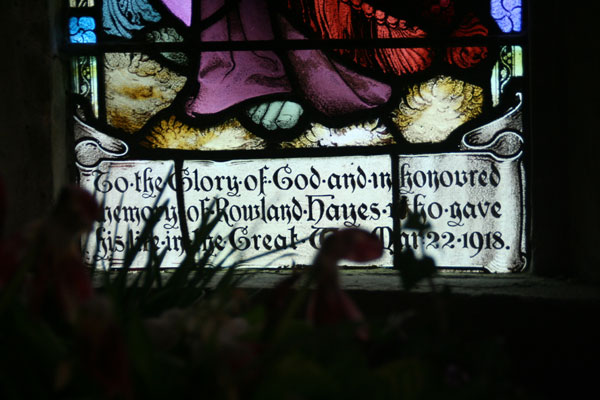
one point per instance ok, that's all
(509, 65)
(85, 79)
(508, 14)
(81, 30)
(93, 146)
(473, 205)
(502, 137)
(473, 200)
(81, 3)
(121, 17)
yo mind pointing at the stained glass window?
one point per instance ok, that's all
(293, 119)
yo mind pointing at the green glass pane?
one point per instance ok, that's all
(81, 3)
(508, 66)
(85, 79)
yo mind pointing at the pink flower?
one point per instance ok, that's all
(329, 304)
(103, 349)
(58, 281)
(59, 276)
(56, 277)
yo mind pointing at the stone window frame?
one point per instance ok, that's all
(551, 213)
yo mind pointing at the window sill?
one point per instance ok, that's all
(384, 281)
(522, 285)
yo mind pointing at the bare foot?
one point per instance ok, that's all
(276, 115)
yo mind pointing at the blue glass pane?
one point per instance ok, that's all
(81, 30)
(120, 17)
(508, 14)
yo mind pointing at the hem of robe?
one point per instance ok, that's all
(228, 78)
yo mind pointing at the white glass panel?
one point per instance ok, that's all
(286, 204)
(474, 205)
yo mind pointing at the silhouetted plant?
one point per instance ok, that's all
(152, 334)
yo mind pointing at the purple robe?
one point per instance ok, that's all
(227, 78)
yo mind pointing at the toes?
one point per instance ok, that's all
(289, 115)
(251, 111)
(276, 114)
(271, 115)
(259, 113)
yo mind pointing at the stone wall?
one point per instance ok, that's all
(32, 124)
(565, 62)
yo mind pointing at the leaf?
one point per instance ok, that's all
(413, 270)
(416, 222)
